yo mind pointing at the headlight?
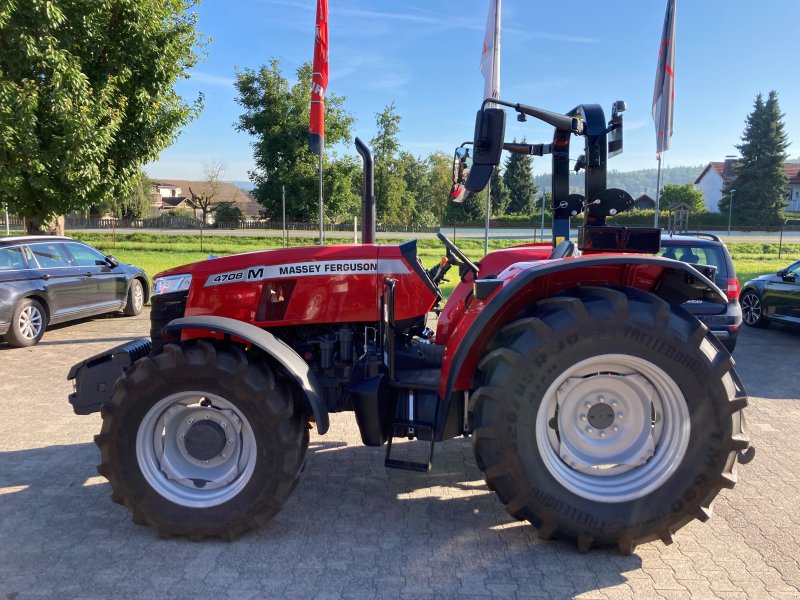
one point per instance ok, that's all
(171, 283)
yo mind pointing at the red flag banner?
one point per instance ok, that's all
(319, 81)
(664, 92)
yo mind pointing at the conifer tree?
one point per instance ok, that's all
(518, 177)
(760, 184)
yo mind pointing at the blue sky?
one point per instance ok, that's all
(425, 56)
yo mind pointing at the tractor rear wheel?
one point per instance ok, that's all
(201, 442)
(608, 417)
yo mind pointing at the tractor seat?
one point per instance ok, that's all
(563, 249)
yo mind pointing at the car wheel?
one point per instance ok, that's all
(28, 324)
(752, 310)
(135, 299)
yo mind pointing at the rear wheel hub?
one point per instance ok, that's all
(205, 440)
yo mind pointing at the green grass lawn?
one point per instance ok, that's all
(157, 252)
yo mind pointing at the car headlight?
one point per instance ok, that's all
(171, 283)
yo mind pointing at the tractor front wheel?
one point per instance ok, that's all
(608, 417)
(199, 441)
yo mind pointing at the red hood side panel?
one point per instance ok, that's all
(305, 286)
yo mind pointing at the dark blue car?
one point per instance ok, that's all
(774, 297)
(46, 280)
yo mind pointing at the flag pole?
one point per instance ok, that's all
(658, 192)
(495, 94)
(320, 199)
(486, 229)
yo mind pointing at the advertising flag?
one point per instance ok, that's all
(664, 92)
(490, 55)
(319, 81)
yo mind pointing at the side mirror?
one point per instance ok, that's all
(112, 261)
(490, 129)
(462, 163)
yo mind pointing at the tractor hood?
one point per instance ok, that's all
(306, 285)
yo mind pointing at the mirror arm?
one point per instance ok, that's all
(555, 119)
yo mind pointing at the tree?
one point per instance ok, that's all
(208, 200)
(518, 178)
(760, 183)
(673, 194)
(87, 98)
(394, 204)
(276, 115)
(500, 195)
(227, 213)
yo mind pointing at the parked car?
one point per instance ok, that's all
(707, 250)
(773, 298)
(46, 280)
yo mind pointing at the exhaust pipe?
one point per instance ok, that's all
(368, 204)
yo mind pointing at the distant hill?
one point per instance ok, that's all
(245, 186)
(635, 183)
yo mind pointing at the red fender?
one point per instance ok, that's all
(525, 283)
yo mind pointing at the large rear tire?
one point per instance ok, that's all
(608, 417)
(198, 441)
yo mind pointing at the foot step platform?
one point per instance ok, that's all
(413, 429)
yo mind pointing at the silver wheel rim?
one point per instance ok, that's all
(751, 309)
(175, 474)
(138, 296)
(30, 322)
(621, 428)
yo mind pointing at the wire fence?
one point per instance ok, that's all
(501, 226)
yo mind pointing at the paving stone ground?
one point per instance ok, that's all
(352, 529)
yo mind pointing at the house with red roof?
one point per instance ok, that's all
(711, 180)
(717, 174)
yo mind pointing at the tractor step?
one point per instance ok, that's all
(421, 467)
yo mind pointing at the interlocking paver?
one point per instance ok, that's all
(354, 530)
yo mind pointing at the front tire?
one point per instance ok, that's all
(608, 417)
(753, 310)
(135, 301)
(28, 324)
(199, 441)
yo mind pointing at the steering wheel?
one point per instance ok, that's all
(452, 250)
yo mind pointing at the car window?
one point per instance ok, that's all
(11, 259)
(698, 255)
(50, 255)
(84, 256)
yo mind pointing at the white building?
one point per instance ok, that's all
(711, 180)
(717, 174)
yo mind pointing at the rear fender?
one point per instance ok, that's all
(284, 355)
(523, 285)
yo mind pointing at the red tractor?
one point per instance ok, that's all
(599, 409)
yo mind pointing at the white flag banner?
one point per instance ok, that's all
(490, 56)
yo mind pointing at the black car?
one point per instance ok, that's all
(706, 250)
(773, 298)
(48, 279)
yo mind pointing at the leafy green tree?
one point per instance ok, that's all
(276, 115)
(138, 202)
(343, 187)
(760, 183)
(673, 194)
(518, 177)
(227, 213)
(87, 98)
(440, 178)
(394, 204)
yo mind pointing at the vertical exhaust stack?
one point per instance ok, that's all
(368, 204)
